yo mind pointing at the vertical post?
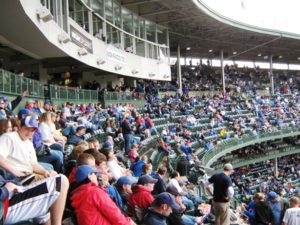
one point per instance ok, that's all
(271, 74)
(179, 70)
(276, 167)
(223, 73)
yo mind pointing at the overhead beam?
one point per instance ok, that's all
(157, 12)
(138, 2)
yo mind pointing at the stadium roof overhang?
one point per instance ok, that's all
(191, 27)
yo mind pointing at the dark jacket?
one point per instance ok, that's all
(263, 213)
(160, 185)
(152, 218)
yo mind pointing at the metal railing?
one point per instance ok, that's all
(72, 94)
(232, 144)
(14, 84)
(275, 153)
(122, 96)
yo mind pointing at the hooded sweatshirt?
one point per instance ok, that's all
(140, 197)
(93, 206)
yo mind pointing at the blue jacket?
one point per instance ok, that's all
(137, 168)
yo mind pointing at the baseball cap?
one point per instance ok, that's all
(107, 145)
(4, 98)
(173, 190)
(83, 171)
(166, 198)
(228, 166)
(47, 102)
(125, 180)
(272, 195)
(29, 121)
(146, 179)
(24, 111)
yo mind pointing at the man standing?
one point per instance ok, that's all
(292, 215)
(126, 130)
(278, 206)
(223, 192)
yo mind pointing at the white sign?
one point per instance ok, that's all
(115, 56)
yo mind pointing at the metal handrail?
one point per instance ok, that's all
(236, 143)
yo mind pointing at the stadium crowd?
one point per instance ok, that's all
(110, 179)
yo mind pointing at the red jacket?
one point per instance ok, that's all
(71, 176)
(140, 197)
(93, 206)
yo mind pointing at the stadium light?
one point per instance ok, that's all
(63, 38)
(82, 51)
(100, 61)
(118, 67)
(44, 14)
(134, 71)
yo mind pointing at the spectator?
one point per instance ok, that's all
(278, 206)
(160, 186)
(223, 192)
(92, 204)
(124, 188)
(292, 215)
(133, 153)
(137, 167)
(78, 136)
(42, 202)
(163, 205)
(18, 155)
(126, 130)
(263, 213)
(5, 126)
(141, 197)
(47, 133)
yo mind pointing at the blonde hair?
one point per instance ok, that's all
(45, 117)
(259, 197)
(78, 150)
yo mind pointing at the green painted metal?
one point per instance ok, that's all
(63, 93)
(13, 84)
(261, 158)
(233, 144)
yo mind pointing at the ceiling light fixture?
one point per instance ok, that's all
(280, 57)
(210, 50)
(234, 53)
(188, 48)
(259, 54)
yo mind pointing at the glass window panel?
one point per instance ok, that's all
(109, 34)
(108, 10)
(97, 5)
(150, 31)
(136, 25)
(162, 35)
(117, 14)
(127, 20)
(142, 28)
(140, 48)
(128, 43)
(98, 27)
